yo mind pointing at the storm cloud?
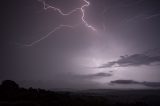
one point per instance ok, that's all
(96, 75)
(100, 75)
(128, 82)
(132, 60)
(124, 82)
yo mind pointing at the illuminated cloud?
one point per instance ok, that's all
(132, 60)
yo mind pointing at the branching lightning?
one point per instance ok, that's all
(83, 15)
(47, 6)
(81, 9)
(44, 37)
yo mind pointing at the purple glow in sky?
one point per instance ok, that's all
(81, 43)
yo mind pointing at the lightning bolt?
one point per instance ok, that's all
(83, 15)
(82, 9)
(44, 37)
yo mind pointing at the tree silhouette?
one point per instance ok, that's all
(9, 84)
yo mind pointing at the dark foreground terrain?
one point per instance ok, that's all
(12, 95)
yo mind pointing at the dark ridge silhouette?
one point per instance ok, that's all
(13, 95)
(9, 84)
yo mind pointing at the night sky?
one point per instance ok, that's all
(40, 47)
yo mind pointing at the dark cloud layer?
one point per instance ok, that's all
(124, 82)
(127, 82)
(132, 60)
(100, 75)
(96, 75)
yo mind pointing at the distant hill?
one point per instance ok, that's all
(13, 95)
